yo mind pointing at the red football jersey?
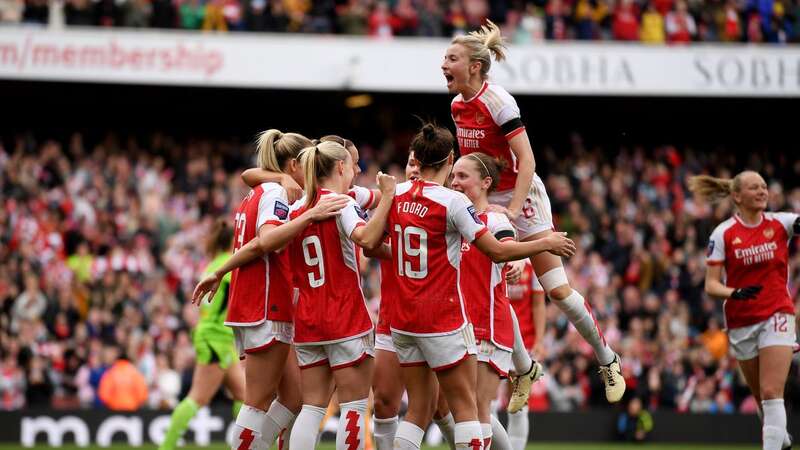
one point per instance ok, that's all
(754, 255)
(388, 296)
(520, 295)
(484, 288)
(485, 123)
(427, 222)
(261, 289)
(330, 306)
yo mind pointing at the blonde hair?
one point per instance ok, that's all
(274, 148)
(482, 44)
(712, 189)
(318, 162)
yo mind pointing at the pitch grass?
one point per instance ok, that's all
(536, 446)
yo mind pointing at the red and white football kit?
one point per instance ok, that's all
(486, 123)
(383, 332)
(756, 255)
(260, 309)
(484, 288)
(332, 323)
(521, 295)
(364, 197)
(429, 321)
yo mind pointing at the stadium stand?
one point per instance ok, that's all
(654, 22)
(115, 226)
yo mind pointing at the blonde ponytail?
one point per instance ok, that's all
(318, 162)
(274, 148)
(712, 189)
(482, 44)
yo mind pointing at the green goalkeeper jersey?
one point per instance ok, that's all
(212, 314)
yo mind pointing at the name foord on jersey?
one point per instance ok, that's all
(415, 208)
(756, 253)
(469, 137)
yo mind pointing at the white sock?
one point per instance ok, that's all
(787, 441)
(518, 428)
(447, 425)
(774, 430)
(350, 434)
(520, 356)
(486, 433)
(384, 432)
(308, 421)
(278, 418)
(500, 439)
(579, 314)
(408, 437)
(247, 430)
(468, 435)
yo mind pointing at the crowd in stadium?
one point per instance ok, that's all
(653, 21)
(102, 244)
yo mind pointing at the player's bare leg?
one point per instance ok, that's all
(284, 409)
(550, 271)
(488, 382)
(352, 387)
(316, 382)
(263, 371)
(387, 390)
(459, 384)
(420, 385)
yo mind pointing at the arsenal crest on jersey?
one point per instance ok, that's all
(479, 118)
(769, 233)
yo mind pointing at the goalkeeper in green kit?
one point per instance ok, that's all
(217, 361)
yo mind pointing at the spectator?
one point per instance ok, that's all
(715, 340)
(39, 389)
(214, 18)
(732, 28)
(352, 18)
(626, 23)
(136, 13)
(635, 423)
(192, 13)
(405, 18)
(36, 12)
(564, 392)
(122, 387)
(556, 20)
(164, 14)
(680, 25)
(78, 13)
(381, 21)
(12, 384)
(29, 305)
(11, 11)
(652, 31)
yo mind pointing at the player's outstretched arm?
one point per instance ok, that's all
(556, 243)
(270, 238)
(255, 176)
(371, 235)
(526, 165)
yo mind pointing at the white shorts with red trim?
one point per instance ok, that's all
(437, 352)
(536, 214)
(384, 342)
(337, 355)
(260, 337)
(777, 330)
(499, 359)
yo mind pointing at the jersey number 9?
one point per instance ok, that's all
(316, 260)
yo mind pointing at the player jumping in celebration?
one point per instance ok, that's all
(488, 120)
(748, 265)
(217, 361)
(429, 325)
(261, 310)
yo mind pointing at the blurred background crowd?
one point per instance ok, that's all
(523, 21)
(101, 243)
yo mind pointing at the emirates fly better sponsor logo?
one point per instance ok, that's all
(756, 253)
